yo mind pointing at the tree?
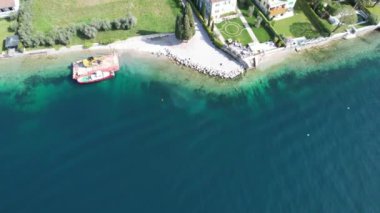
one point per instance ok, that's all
(347, 15)
(258, 21)
(116, 24)
(373, 19)
(251, 9)
(133, 21)
(13, 26)
(362, 3)
(187, 33)
(184, 28)
(242, 3)
(376, 2)
(178, 27)
(190, 15)
(204, 12)
(88, 31)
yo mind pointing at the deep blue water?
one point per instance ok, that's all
(307, 144)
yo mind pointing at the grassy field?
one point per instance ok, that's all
(4, 24)
(283, 26)
(375, 10)
(153, 16)
(234, 29)
(261, 33)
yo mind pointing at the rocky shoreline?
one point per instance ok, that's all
(199, 68)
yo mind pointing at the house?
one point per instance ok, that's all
(11, 42)
(7, 7)
(216, 9)
(277, 9)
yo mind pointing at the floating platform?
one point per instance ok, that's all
(105, 65)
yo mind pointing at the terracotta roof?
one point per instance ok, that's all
(277, 11)
(7, 3)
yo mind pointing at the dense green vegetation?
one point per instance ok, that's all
(185, 26)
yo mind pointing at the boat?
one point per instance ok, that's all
(95, 77)
(95, 69)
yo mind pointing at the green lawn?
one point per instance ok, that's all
(4, 24)
(261, 33)
(283, 26)
(375, 10)
(234, 29)
(153, 16)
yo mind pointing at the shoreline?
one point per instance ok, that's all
(210, 61)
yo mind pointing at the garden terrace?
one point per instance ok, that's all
(261, 32)
(234, 29)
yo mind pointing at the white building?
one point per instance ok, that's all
(7, 7)
(216, 9)
(277, 9)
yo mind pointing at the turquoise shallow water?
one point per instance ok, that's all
(156, 140)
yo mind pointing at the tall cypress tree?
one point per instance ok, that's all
(189, 14)
(184, 25)
(187, 34)
(204, 10)
(179, 27)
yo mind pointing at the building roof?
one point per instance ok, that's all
(12, 41)
(7, 3)
(277, 11)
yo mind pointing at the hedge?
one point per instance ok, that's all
(314, 18)
(213, 38)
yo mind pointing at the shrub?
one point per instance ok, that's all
(13, 26)
(49, 41)
(88, 31)
(116, 25)
(62, 35)
(12, 16)
(373, 19)
(101, 25)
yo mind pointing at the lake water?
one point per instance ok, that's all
(302, 137)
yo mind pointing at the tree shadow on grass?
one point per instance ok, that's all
(146, 32)
(167, 40)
